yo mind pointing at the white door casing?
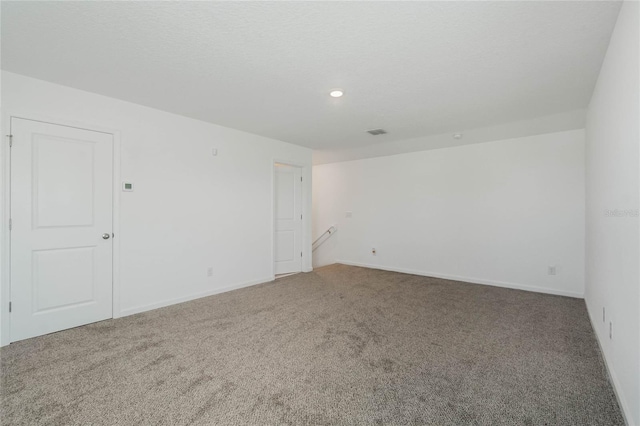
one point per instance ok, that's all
(61, 207)
(288, 215)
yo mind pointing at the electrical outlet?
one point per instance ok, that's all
(209, 271)
(552, 270)
(373, 251)
(348, 215)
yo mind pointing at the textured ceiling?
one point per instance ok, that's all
(412, 68)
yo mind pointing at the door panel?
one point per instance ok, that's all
(285, 246)
(61, 205)
(55, 287)
(55, 187)
(288, 236)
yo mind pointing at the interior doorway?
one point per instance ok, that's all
(288, 219)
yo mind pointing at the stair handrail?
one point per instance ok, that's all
(332, 229)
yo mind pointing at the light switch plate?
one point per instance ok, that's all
(127, 186)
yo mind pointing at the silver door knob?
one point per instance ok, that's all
(106, 236)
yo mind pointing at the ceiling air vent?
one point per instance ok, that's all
(376, 132)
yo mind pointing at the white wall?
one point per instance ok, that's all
(497, 213)
(190, 210)
(568, 120)
(613, 241)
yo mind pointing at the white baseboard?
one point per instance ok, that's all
(152, 306)
(613, 378)
(468, 279)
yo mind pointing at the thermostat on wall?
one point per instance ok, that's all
(127, 186)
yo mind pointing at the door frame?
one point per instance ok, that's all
(306, 213)
(5, 235)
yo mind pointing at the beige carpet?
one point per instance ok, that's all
(341, 345)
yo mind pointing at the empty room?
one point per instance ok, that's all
(320, 213)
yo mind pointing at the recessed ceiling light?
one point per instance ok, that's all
(336, 93)
(457, 135)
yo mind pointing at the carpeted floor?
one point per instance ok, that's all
(340, 345)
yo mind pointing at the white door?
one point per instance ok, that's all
(61, 214)
(288, 237)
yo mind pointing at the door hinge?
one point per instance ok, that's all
(9, 307)
(300, 254)
(10, 140)
(300, 178)
(10, 224)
